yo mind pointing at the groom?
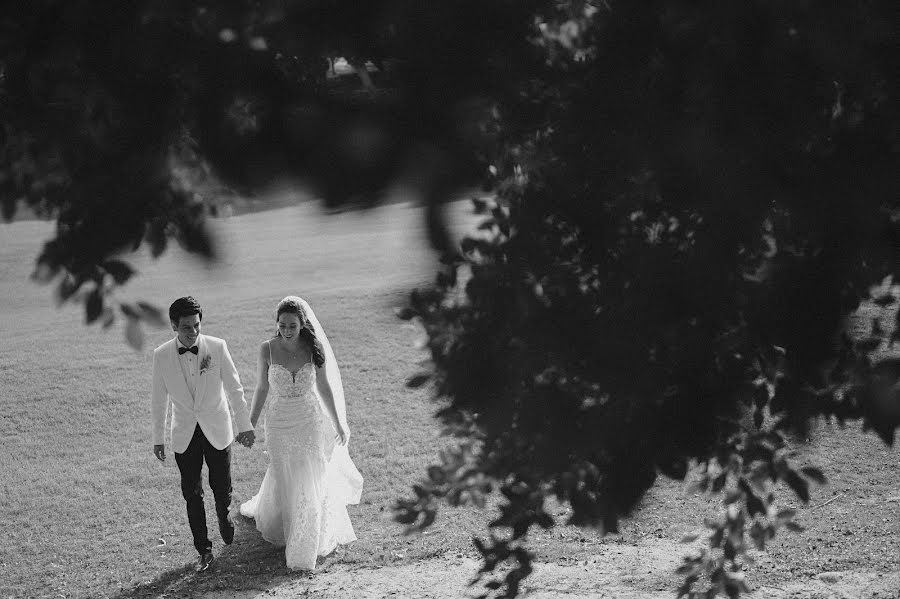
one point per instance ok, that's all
(195, 373)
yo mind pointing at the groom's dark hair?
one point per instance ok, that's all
(184, 306)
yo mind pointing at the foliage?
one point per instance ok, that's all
(696, 198)
(122, 120)
(690, 197)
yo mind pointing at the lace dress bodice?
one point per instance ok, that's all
(292, 396)
(294, 405)
(290, 383)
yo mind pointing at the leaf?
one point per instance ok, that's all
(406, 516)
(479, 545)
(44, 272)
(675, 469)
(134, 334)
(429, 518)
(815, 474)
(155, 234)
(418, 380)
(520, 528)
(196, 238)
(758, 534)
(690, 538)
(153, 315)
(93, 307)
(884, 430)
(793, 526)
(884, 300)
(405, 313)
(437, 475)
(786, 514)
(8, 207)
(754, 504)
(479, 205)
(129, 311)
(545, 520)
(869, 344)
(716, 539)
(799, 485)
(702, 484)
(450, 258)
(719, 482)
(468, 245)
(68, 286)
(120, 271)
(446, 279)
(732, 496)
(758, 419)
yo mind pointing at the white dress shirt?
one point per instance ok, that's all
(190, 365)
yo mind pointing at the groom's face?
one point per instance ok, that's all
(188, 329)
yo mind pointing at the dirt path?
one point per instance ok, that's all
(622, 572)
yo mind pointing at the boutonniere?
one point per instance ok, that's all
(205, 363)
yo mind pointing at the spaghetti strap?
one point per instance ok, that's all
(269, 345)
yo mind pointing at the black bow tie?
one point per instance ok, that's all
(193, 350)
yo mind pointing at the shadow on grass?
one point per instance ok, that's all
(247, 567)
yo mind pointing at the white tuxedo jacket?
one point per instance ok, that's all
(218, 385)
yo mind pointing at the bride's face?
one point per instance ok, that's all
(288, 325)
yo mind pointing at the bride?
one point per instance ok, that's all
(302, 501)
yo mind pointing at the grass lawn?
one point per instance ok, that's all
(86, 506)
(88, 511)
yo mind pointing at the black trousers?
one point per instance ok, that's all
(190, 464)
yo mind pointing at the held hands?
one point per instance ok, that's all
(246, 438)
(343, 436)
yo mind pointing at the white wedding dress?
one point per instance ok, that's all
(302, 501)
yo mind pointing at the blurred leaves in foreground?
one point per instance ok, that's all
(688, 199)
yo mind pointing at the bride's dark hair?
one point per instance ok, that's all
(290, 305)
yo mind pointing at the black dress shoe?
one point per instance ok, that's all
(226, 527)
(204, 562)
